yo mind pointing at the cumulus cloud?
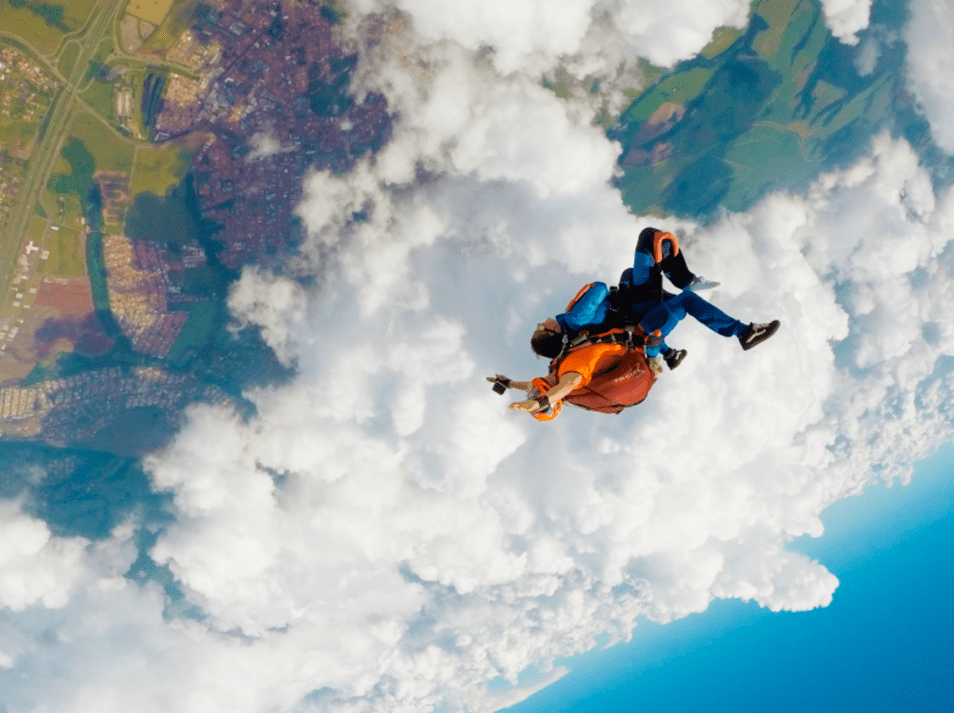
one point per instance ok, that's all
(590, 36)
(845, 18)
(35, 567)
(383, 534)
(274, 304)
(929, 35)
(665, 33)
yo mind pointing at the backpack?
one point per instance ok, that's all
(624, 383)
(594, 309)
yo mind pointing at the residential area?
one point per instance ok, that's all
(151, 133)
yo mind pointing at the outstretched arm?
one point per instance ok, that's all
(564, 386)
(509, 383)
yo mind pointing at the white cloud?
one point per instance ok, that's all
(35, 567)
(929, 35)
(385, 531)
(516, 30)
(385, 535)
(264, 144)
(845, 18)
(592, 36)
(665, 33)
(274, 304)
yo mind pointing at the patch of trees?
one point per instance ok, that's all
(329, 92)
(152, 88)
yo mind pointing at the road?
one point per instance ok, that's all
(99, 25)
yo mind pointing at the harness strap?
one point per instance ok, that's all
(543, 387)
(626, 337)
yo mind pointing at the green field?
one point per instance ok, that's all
(793, 50)
(766, 158)
(100, 59)
(46, 204)
(42, 23)
(161, 168)
(76, 12)
(68, 57)
(722, 39)
(31, 26)
(81, 166)
(162, 219)
(135, 79)
(871, 102)
(67, 254)
(19, 133)
(99, 95)
(176, 21)
(66, 207)
(96, 269)
(763, 108)
(36, 229)
(677, 89)
(203, 319)
(91, 147)
(111, 152)
(824, 95)
(777, 14)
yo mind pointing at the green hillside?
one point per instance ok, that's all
(772, 109)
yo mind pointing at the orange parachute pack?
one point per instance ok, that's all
(621, 379)
(659, 239)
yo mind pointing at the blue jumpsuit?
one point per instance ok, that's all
(594, 308)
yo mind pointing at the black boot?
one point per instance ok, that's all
(755, 334)
(674, 357)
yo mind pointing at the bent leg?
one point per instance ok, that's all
(710, 315)
(666, 315)
(677, 270)
(663, 318)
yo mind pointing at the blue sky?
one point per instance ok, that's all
(886, 642)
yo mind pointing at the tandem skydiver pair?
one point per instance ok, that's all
(605, 348)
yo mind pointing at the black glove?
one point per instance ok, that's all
(500, 383)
